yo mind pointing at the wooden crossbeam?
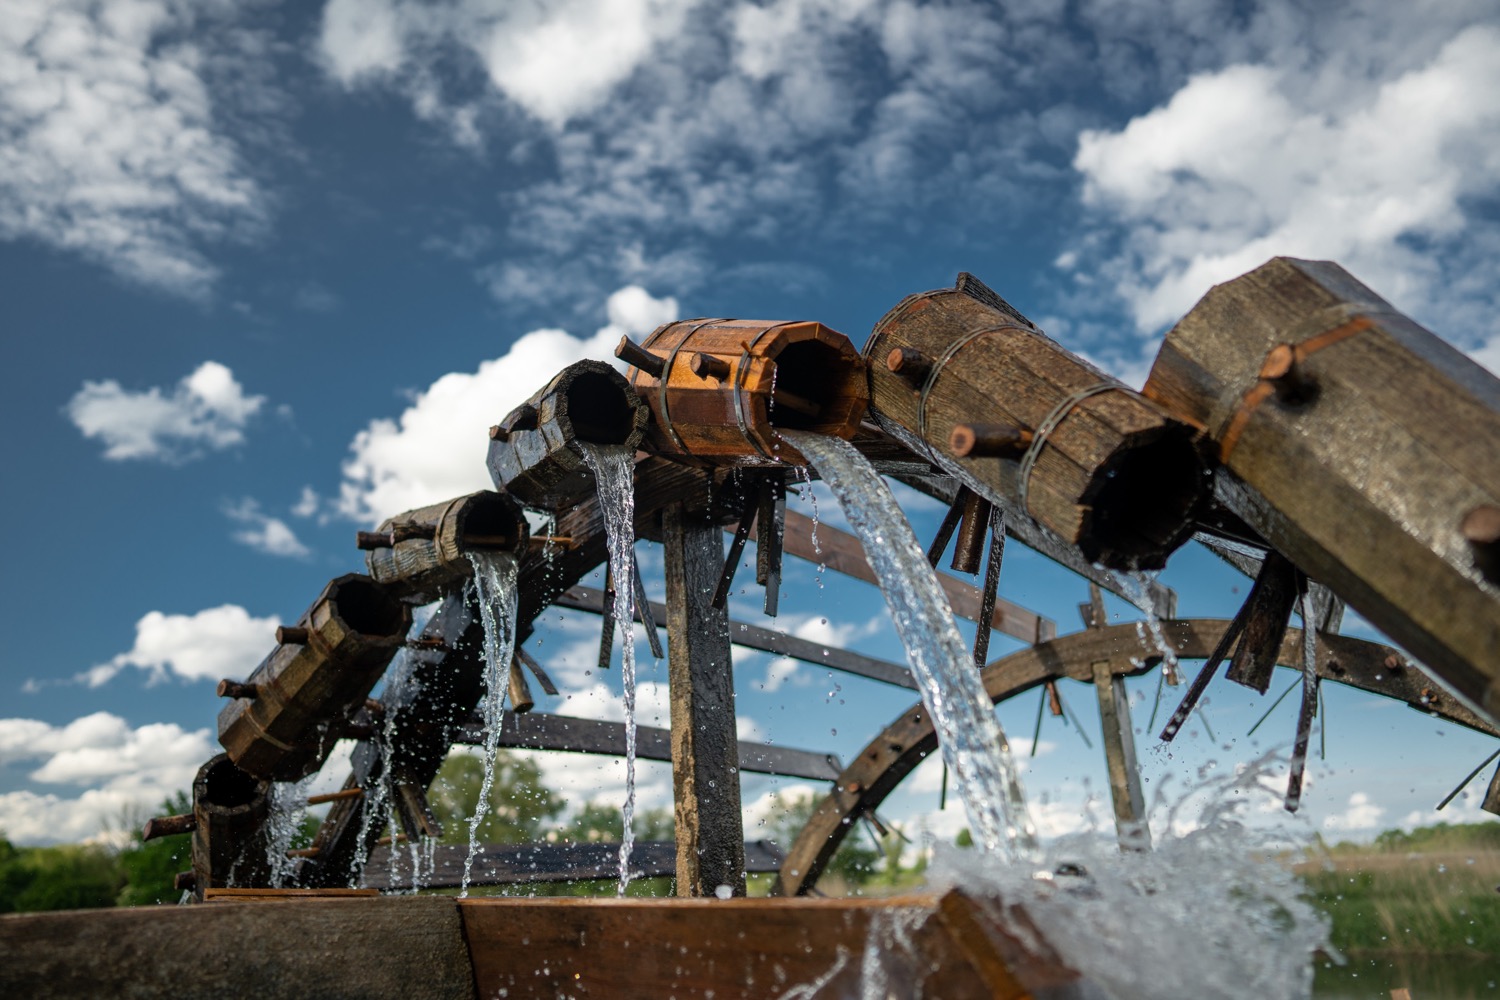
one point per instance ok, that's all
(511, 864)
(755, 637)
(540, 731)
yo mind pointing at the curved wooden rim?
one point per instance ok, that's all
(886, 761)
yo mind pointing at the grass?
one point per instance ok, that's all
(1430, 892)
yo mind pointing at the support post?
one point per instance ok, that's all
(1119, 755)
(705, 751)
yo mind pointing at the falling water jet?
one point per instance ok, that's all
(494, 585)
(614, 471)
(972, 743)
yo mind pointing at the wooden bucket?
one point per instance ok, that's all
(284, 720)
(422, 554)
(535, 453)
(719, 388)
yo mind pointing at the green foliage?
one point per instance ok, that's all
(519, 809)
(149, 867)
(855, 864)
(64, 877)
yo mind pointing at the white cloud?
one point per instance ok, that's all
(214, 643)
(308, 503)
(436, 448)
(1252, 161)
(1362, 813)
(206, 409)
(110, 143)
(262, 532)
(129, 771)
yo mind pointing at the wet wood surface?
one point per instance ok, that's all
(1357, 443)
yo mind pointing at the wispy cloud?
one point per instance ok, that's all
(207, 409)
(262, 532)
(111, 144)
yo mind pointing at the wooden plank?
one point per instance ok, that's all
(513, 864)
(751, 636)
(1356, 443)
(842, 552)
(750, 949)
(705, 750)
(542, 731)
(402, 948)
(1120, 759)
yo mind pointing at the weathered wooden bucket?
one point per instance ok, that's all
(719, 388)
(420, 555)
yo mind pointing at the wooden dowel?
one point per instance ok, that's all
(970, 547)
(304, 852)
(950, 523)
(911, 364)
(537, 671)
(167, 826)
(236, 689)
(991, 587)
(607, 629)
(1054, 698)
(521, 701)
(295, 635)
(369, 541)
(643, 609)
(565, 541)
(732, 561)
(184, 882)
(770, 540)
(708, 366)
(339, 796)
(488, 541)
(989, 440)
(634, 354)
(498, 433)
(795, 403)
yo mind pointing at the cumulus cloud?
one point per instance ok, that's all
(126, 770)
(1361, 813)
(214, 643)
(111, 144)
(262, 532)
(436, 448)
(1252, 161)
(207, 409)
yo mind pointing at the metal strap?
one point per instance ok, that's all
(1045, 429)
(740, 416)
(932, 377)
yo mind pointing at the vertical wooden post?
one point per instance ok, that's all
(1119, 754)
(705, 750)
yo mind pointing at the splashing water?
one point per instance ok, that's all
(614, 472)
(1209, 913)
(288, 808)
(494, 585)
(969, 736)
(1141, 598)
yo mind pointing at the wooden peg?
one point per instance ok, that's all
(295, 635)
(166, 826)
(910, 364)
(970, 546)
(520, 694)
(236, 689)
(369, 541)
(634, 354)
(708, 366)
(989, 441)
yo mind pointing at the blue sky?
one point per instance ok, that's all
(269, 270)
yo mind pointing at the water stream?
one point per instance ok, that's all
(969, 736)
(614, 473)
(494, 585)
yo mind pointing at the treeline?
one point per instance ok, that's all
(520, 808)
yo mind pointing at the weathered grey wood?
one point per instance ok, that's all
(512, 864)
(1109, 471)
(307, 692)
(229, 807)
(406, 948)
(1120, 759)
(1267, 613)
(705, 759)
(541, 731)
(1160, 600)
(1356, 442)
(429, 556)
(751, 636)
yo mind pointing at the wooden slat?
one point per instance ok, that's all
(541, 731)
(512, 864)
(843, 553)
(755, 637)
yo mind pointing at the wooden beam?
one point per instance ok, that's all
(540, 731)
(842, 552)
(750, 636)
(705, 757)
(1120, 759)
(512, 864)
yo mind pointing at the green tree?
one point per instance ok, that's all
(853, 866)
(150, 867)
(520, 807)
(62, 877)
